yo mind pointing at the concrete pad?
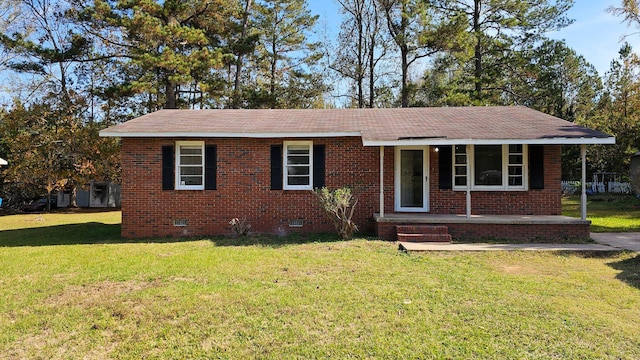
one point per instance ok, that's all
(409, 246)
(625, 241)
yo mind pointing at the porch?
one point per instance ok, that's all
(520, 227)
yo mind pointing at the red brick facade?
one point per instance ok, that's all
(479, 231)
(243, 189)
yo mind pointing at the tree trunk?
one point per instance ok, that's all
(404, 90)
(477, 50)
(236, 85)
(170, 93)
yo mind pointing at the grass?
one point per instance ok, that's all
(298, 297)
(608, 213)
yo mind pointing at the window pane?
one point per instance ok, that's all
(297, 160)
(190, 150)
(191, 160)
(488, 165)
(515, 170)
(515, 159)
(461, 170)
(460, 181)
(297, 170)
(298, 149)
(515, 148)
(191, 170)
(461, 159)
(515, 180)
(461, 149)
(191, 180)
(298, 180)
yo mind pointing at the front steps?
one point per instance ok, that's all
(423, 233)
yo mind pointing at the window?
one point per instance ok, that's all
(488, 165)
(190, 165)
(460, 165)
(298, 167)
(516, 165)
(493, 167)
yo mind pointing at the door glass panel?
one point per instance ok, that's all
(411, 178)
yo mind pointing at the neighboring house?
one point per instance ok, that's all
(482, 171)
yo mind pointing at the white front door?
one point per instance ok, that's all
(412, 179)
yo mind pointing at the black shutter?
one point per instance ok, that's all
(536, 167)
(445, 163)
(167, 168)
(318, 166)
(210, 167)
(276, 167)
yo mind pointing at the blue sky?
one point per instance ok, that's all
(595, 34)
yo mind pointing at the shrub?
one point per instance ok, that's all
(339, 205)
(240, 227)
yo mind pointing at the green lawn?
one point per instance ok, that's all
(608, 213)
(298, 297)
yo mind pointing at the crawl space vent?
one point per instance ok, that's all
(295, 223)
(180, 222)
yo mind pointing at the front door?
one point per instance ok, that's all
(412, 179)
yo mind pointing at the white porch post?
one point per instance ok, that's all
(381, 181)
(583, 198)
(468, 181)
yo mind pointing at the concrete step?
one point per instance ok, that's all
(422, 229)
(424, 237)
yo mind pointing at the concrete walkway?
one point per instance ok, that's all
(622, 241)
(606, 242)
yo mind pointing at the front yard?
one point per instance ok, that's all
(607, 212)
(72, 289)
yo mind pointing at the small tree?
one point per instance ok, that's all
(339, 205)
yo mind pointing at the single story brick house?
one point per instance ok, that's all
(480, 171)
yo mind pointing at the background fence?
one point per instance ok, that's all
(615, 187)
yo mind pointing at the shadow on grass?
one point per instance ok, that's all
(629, 271)
(99, 233)
(70, 234)
(275, 241)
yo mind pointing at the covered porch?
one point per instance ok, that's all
(463, 212)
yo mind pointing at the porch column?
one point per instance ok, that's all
(468, 181)
(583, 198)
(381, 181)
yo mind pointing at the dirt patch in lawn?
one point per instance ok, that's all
(97, 293)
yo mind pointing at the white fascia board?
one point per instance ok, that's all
(546, 141)
(225, 135)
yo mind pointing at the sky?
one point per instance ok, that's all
(594, 34)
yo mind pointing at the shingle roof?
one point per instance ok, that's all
(376, 126)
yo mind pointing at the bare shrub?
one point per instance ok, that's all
(240, 227)
(339, 205)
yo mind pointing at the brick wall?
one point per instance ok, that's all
(476, 231)
(243, 190)
(546, 201)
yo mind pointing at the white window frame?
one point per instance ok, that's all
(179, 185)
(285, 166)
(505, 171)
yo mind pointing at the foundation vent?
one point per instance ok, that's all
(296, 222)
(179, 222)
